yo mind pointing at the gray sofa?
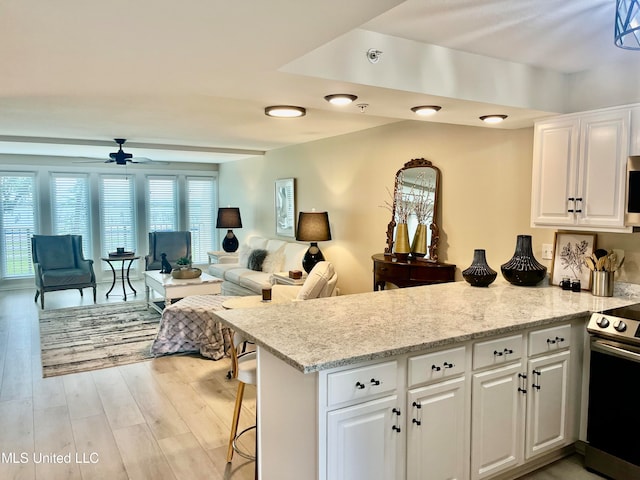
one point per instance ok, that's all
(239, 279)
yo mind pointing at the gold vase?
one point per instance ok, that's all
(419, 244)
(401, 245)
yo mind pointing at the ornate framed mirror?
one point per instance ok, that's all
(416, 198)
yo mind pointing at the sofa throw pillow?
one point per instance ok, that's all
(243, 255)
(256, 258)
(273, 262)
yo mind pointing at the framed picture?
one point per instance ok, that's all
(285, 201)
(569, 251)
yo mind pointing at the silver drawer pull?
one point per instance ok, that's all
(448, 365)
(375, 382)
(435, 368)
(359, 385)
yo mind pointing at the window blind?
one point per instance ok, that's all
(17, 223)
(201, 211)
(162, 203)
(71, 208)
(117, 213)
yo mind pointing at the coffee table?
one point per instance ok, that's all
(170, 288)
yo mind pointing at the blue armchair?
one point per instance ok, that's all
(59, 264)
(173, 244)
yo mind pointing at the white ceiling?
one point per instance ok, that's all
(189, 81)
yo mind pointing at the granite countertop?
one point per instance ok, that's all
(324, 333)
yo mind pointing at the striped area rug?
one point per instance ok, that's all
(99, 336)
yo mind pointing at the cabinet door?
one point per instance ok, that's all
(362, 442)
(554, 175)
(497, 420)
(436, 432)
(548, 388)
(604, 147)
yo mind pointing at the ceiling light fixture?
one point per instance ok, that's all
(493, 118)
(425, 110)
(340, 98)
(627, 34)
(285, 111)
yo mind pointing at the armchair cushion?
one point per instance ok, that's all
(321, 282)
(54, 251)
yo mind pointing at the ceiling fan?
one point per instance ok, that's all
(123, 158)
(120, 157)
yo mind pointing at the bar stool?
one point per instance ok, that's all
(243, 367)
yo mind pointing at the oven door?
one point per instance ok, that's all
(613, 424)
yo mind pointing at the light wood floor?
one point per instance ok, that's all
(167, 418)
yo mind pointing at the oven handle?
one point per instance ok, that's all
(605, 348)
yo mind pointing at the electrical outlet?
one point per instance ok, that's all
(547, 251)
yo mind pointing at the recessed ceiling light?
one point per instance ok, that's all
(426, 110)
(493, 118)
(340, 98)
(285, 111)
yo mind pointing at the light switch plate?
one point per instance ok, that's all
(547, 251)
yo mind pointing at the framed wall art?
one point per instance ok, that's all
(285, 202)
(569, 251)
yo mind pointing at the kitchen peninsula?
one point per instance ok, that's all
(347, 384)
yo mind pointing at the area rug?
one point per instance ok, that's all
(99, 336)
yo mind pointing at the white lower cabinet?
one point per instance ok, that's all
(517, 412)
(497, 420)
(468, 412)
(547, 403)
(363, 440)
(436, 431)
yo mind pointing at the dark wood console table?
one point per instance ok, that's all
(409, 274)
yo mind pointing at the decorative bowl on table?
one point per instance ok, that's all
(185, 273)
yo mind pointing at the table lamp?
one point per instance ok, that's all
(229, 217)
(313, 227)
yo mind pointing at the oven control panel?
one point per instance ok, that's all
(622, 329)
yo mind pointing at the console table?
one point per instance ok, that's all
(410, 273)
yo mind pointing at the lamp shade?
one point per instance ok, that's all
(229, 217)
(313, 227)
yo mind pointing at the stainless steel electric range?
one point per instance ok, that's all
(613, 425)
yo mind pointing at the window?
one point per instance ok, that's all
(70, 205)
(201, 211)
(117, 213)
(162, 203)
(17, 223)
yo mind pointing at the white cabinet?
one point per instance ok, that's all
(436, 439)
(547, 404)
(362, 440)
(517, 412)
(579, 171)
(364, 423)
(497, 420)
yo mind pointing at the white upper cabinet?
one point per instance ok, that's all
(579, 171)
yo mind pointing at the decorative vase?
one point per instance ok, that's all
(523, 269)
(479, 273)
(401, 245)
(419, 244)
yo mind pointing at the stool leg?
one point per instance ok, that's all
(236, 418)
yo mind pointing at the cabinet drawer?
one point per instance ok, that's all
(361, 383)
(436, 366)
(435, 274)
(549, 339)
(497, 352)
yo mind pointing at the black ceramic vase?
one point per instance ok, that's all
(479, 273)
(523, 269)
